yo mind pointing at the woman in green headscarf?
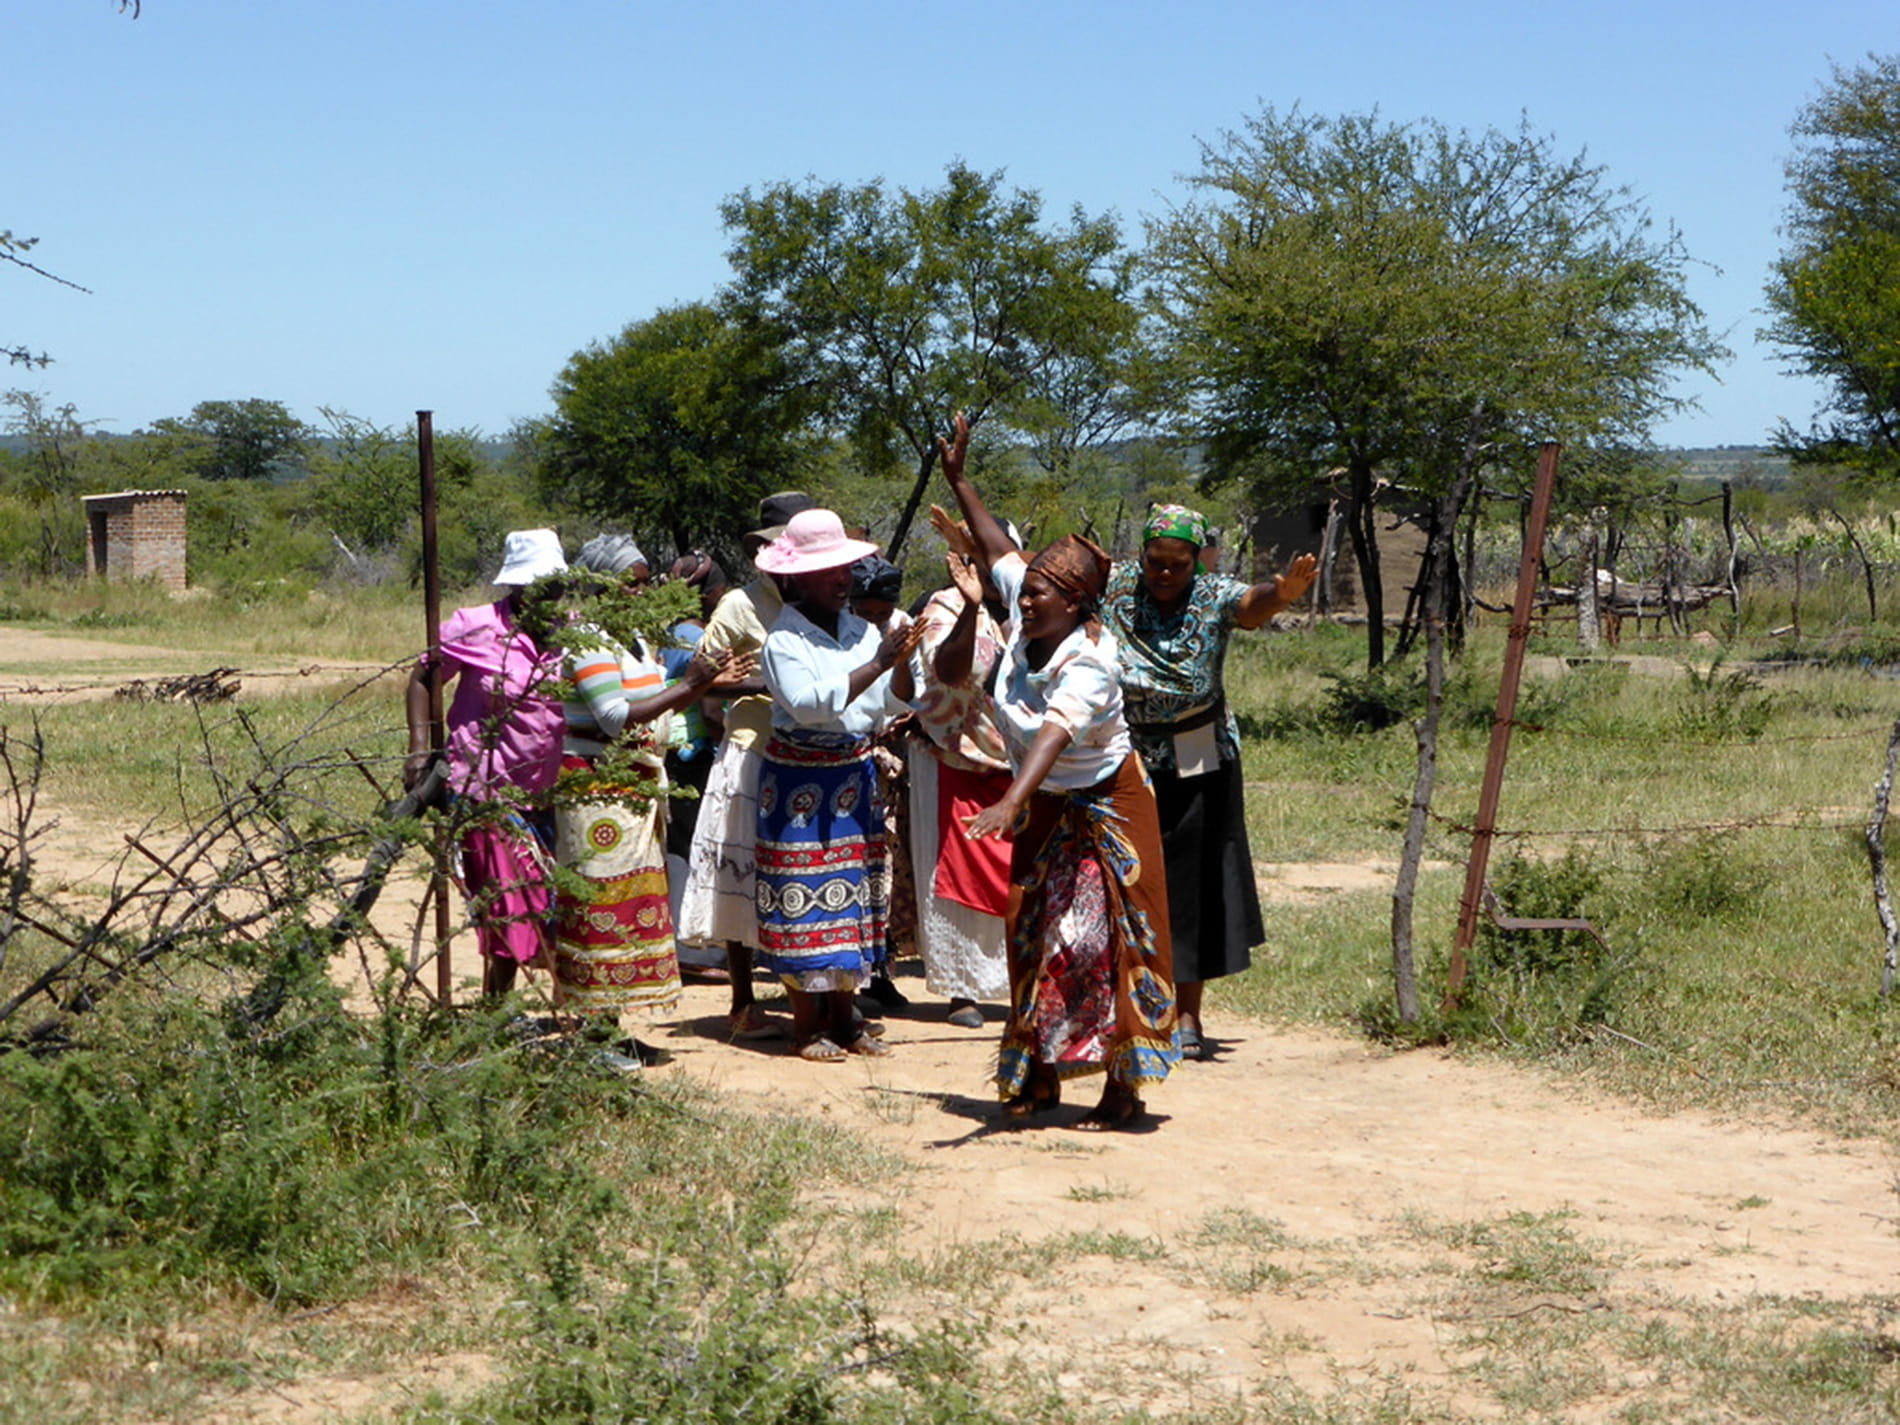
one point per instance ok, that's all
(1172, 621)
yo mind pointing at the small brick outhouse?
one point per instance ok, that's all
(137, 534)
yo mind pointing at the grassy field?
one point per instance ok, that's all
(192, 1205)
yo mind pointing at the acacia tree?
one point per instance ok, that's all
(1351, 295)
(239, 440)
(903, 308)
(679, 424)
(1835, 292)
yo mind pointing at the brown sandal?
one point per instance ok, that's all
(1038, 1095)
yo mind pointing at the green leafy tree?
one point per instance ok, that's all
(1398, 303)
(241, 440)
(676, 427)
(1835, 292)
(903, 308)
(48, 477)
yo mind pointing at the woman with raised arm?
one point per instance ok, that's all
(1091, 978)
(959, 765)
(1172, 620)
(823, 879)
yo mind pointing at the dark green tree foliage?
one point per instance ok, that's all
(240, 440)
(676, 427)
(1381, 300)
(1835, 292)
(903, 308)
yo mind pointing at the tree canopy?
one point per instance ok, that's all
(679, 424)
(239, 440)
(1384, 300)
(1835, 292)
(902, 308)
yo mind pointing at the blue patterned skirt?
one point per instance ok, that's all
(823, 881)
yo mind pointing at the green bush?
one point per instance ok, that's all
(1541, 989)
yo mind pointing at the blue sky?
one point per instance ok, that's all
(387, 205)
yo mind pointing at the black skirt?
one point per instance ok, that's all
(1213, 904)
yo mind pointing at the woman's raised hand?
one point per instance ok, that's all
(715, 672)
(954, 532)
(952, 452)
(963, 574)
(1297, 579)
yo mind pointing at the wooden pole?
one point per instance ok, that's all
(1486, 826)
(438, 731)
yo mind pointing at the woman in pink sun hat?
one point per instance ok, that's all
(823, 880)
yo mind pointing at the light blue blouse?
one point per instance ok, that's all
(809, 674)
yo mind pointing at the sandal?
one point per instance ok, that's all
(1116, 1111)
(870, 1046)
(820, 1050)
(1192, 1045)
(1038, 1095)
(753, 1023)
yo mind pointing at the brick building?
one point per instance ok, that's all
(137, 534)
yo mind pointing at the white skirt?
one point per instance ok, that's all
(963, 949)
(720, 901)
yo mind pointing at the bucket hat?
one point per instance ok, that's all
(775, 511)
(529, 554)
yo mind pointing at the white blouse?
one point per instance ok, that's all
(1079, 688)
(809, 673)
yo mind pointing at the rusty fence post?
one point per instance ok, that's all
(1485, 828)
(438, 736)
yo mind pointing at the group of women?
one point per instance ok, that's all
(1070, 793)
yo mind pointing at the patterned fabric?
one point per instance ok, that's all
(613, 943)
(957, 718)
(962, 947)
(1088, 906)
(613, 940)
(1175, 522)
(823, 876)
(721, 903)
(1172, 662)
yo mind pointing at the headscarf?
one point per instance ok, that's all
(875, 577)
(1079, 568)
(697, 568)
(1175, 522)
(609, 554)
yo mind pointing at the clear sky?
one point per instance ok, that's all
(388, 205)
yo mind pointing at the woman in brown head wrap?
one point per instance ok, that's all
(1090, 969)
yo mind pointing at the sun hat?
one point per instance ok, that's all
(776, 511)
(813, 540)
(529, 554)
(609, 554)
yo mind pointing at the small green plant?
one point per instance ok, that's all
(1541, 989)
(1722, 705)
(1371, 701)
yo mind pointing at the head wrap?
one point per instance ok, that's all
(698, 568)
(1175, 522)
(609, 554)
(875, 577)
(1079, 568)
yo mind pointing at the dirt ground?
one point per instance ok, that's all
(1351, 1154)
